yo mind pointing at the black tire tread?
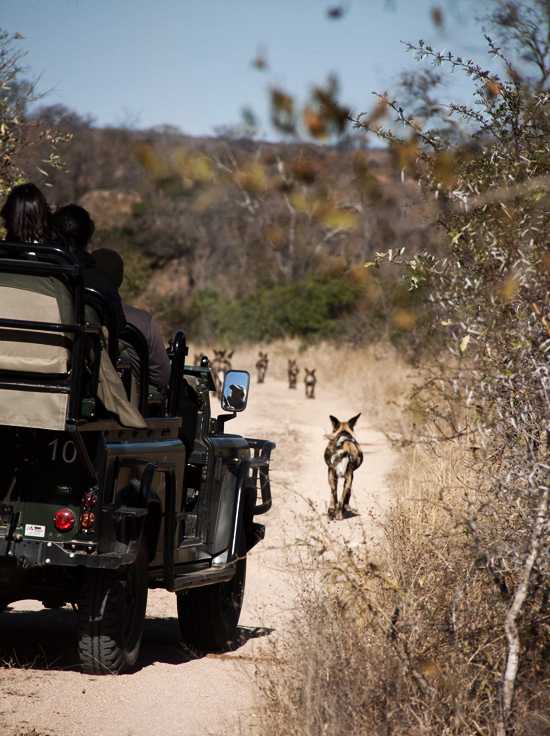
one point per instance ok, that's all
(98, 648)
(202, 626)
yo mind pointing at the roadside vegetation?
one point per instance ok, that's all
(445, 627)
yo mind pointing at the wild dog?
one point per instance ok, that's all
(293, 371)
(310, 380)
(343, 456)
(219, 367)
(197, 358)
(261, 366)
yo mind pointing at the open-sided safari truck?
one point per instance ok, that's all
(106, 490)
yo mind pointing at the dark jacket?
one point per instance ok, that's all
(94, 279)
(159, 363)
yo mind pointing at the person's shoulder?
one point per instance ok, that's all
(136, 316)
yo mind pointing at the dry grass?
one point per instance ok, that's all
(407, 639)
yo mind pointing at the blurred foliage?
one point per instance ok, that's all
(237, 216)
(21, 137)
(310, 308)
(486, 168)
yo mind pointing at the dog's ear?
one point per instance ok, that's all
(335, 422)
(230, 355)
(353, 421)
(313, 371)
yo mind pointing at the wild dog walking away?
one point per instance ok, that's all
(310, 381)
(220, 365)
(343, 456)
(293, 371)
(261, 366)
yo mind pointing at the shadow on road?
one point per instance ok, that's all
(46, 640)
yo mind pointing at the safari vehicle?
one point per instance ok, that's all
(107, 490)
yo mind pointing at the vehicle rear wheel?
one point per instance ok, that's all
(111, 617)
(208, 616)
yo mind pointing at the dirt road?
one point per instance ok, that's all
(172, 693)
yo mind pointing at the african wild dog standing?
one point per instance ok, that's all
(293, 371)
(261, 366)
(197, 358)
(219, 367)
(343, 456)
(310, 380)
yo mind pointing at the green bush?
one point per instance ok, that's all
(310, 308)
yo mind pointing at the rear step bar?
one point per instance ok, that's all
(203, 577)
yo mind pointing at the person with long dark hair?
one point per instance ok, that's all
(27, 215)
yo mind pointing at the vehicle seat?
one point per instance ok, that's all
(31, 297)
(36, 365)
(34, 298)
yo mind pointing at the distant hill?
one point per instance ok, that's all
(232, 216)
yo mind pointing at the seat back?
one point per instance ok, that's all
(57, 343)
(32, 298)
(40, 290)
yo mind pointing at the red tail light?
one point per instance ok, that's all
(64, 520)
(87, 516)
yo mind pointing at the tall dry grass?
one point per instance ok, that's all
(405, 639)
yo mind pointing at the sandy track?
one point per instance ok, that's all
(172, 693)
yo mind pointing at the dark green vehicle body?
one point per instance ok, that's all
(97, 505)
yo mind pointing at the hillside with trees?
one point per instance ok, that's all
(214, 228)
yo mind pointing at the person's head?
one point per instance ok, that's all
(110, 263)
(26, 215)
(73, 227)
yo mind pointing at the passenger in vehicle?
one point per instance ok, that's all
(73, 229)
(27, 215)
(110, 263)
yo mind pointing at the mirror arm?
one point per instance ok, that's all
(221, 419)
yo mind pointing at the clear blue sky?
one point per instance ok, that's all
(188, 62)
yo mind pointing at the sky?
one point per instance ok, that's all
(187, 63)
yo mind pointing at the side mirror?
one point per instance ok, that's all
(235, 390)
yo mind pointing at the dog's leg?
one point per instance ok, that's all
(346, 494)
(333, 483)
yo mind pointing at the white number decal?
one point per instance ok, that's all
(68, 451)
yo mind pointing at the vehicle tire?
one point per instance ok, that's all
(111, 617)
(208, 616)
